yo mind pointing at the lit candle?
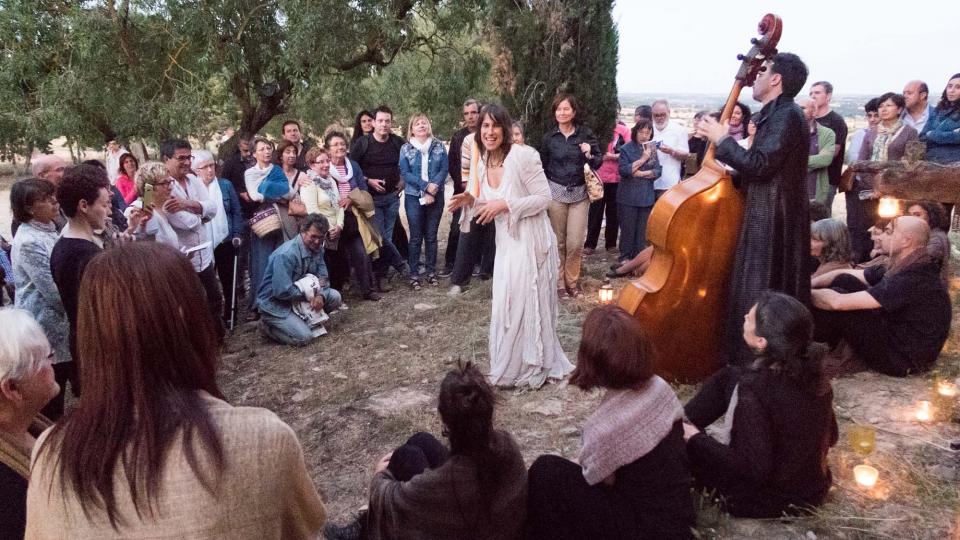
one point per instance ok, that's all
(866, 475)
(924, 413)
(888, 208)
(947, 389)
(606, 294)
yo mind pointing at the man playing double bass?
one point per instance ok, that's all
(774, 240)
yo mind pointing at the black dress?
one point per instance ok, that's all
(774, 241)
(776, 461)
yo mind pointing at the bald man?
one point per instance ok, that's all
(896, 318)
(915, 114)
(48, 167)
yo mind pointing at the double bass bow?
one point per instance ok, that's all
(681, 298)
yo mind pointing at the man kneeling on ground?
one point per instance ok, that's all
(895, 317)
(284, 285)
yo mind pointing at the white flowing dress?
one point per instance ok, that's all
(524, 348)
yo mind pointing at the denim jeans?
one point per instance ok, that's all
(424, 221)
(260, 250)
(290, 329)
(387, 210)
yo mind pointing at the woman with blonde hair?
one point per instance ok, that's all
(423, 166)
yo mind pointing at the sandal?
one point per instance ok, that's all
(433, 280)
(415, 284)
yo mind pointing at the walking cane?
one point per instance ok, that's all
(233, 290)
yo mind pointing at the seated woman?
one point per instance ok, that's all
(633, 479)
(938, 247)
(172, 459)
(477, 489)
(829, 245)
(770, 456)
(26, 385)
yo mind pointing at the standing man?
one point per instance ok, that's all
(822, 93)
(234, 168)
(471, 115)
(774, 242)
(187, 209)
(378, 155)
(672, 150)
(293, 133)
(917, 111)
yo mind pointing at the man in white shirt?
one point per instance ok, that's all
(673, 147)
(114, 151)
(188, 208)
(917, 111)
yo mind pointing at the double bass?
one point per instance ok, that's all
(681, 298)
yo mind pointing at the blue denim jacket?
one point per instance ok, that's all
(436, 168)
(635, 191)
(942, 135)
(290, 262)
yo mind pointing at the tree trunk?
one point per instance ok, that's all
(922, 180)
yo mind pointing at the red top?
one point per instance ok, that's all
(609, 171)
(127, 188)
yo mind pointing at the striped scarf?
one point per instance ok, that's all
(885, 136)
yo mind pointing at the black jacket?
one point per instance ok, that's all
(561, 156)
(777, 456)
(453, 159)
(774, 240)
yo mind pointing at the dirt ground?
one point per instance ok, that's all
(358, 392)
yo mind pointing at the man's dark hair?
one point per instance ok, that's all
(872, 106)
(896, 98)
(644, 111)
(383, 109)
(818, 211)
(290, 122)
(170, 146)
(827, 87)
(25, 193)
(315, 220)
(81, 183)
(794, 74)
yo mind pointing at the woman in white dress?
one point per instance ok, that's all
(507, 184)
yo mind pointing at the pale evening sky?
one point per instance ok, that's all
(861, 46)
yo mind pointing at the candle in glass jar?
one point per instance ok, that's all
(866, 475)
(924, 413)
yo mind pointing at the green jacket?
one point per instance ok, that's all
(826, 141)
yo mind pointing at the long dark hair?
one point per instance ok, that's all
(745, 111)
(501, 118)
(945, 104)
(466, 408)
(787, 325)
(937, 216)
(149, 346)
(357, 128)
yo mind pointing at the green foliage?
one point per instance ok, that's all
(150, 69)
(551, 46)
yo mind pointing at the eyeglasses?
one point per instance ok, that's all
(183, 158)
(163, 183)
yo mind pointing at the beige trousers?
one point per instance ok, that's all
(569, 222)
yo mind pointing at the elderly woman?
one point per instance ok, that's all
(155, 187)
(770, 455)
(35, 205)
(26, 385)
(226, 229)
(423, 166)
(564, 150)
(632, 479)
(344, 249)
(173, 458)
(829, 245)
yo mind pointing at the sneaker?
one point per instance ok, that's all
(373, 296)
(455, 290)
(445, 273)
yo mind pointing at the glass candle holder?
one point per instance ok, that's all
(862, 439)
(866, 476)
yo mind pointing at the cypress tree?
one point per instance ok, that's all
(543, 47)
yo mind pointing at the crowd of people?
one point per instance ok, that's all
(128, 275)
